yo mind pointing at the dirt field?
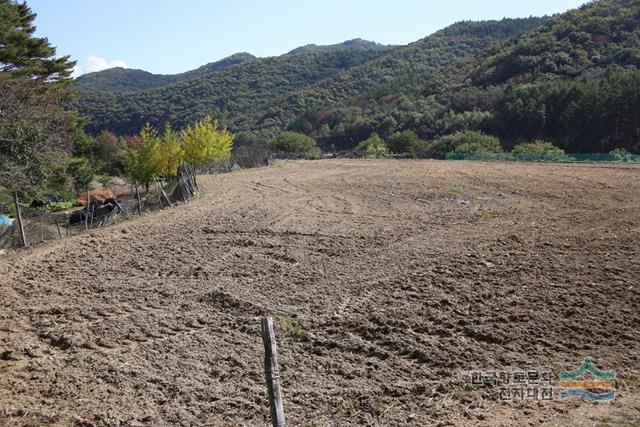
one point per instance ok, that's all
(390, 282)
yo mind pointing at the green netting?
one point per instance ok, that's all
(576, 157)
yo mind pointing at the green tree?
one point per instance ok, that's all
(140, 164)
(372, 146)
(405, 142)
(294, 142)
(107, 153)
(81, 172)
(36, 133)
(21, 54)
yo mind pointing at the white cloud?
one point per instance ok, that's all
(95, 63)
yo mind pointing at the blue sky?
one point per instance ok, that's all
(169, 36)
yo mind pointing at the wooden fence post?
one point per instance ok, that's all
(23, 237)
(139, 201)
(163, 194)
(273, 373)
(86, 212)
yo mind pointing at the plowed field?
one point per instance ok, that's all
(389, 281)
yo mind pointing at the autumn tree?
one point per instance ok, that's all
(168, 153)
(204, 143)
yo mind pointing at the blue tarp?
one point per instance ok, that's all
(5, 220)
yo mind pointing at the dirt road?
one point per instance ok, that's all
(390, 281)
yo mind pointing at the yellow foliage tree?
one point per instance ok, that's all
(205, 144)
(168, 153)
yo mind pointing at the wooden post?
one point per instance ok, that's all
(124, 211)
(139, 201)
(180, 185)
(166, 198)
(58, 227)
(86, 211)
(272, 373)
(23, 237)
(159, 205)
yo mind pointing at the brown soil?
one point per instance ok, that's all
(389, 281)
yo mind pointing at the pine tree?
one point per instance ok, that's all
(21, 54)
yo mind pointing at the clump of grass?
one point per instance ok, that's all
(292, 325)
(457, 189)
(485, 216)
(477, 201)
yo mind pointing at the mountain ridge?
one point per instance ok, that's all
(243, 96)
(120, 79)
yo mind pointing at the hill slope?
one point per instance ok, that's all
(226, 94)
(265, 94)
(593, 37)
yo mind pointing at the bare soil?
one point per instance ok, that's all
(389, 280)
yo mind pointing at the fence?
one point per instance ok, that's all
(40, 226)
(575, 157)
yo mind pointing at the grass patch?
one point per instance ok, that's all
(59, 206)
(292, 325)
(477, 201)
(457, 189)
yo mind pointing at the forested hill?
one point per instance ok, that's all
(263, 95)
(579, 42)
(573, 81)
(130, 80)
(343, 109)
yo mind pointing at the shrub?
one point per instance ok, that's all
(294, 142)
(538, 148)
(621, 155)
(405, 142)
(372, 146)
(58, 206)
(468, 142)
